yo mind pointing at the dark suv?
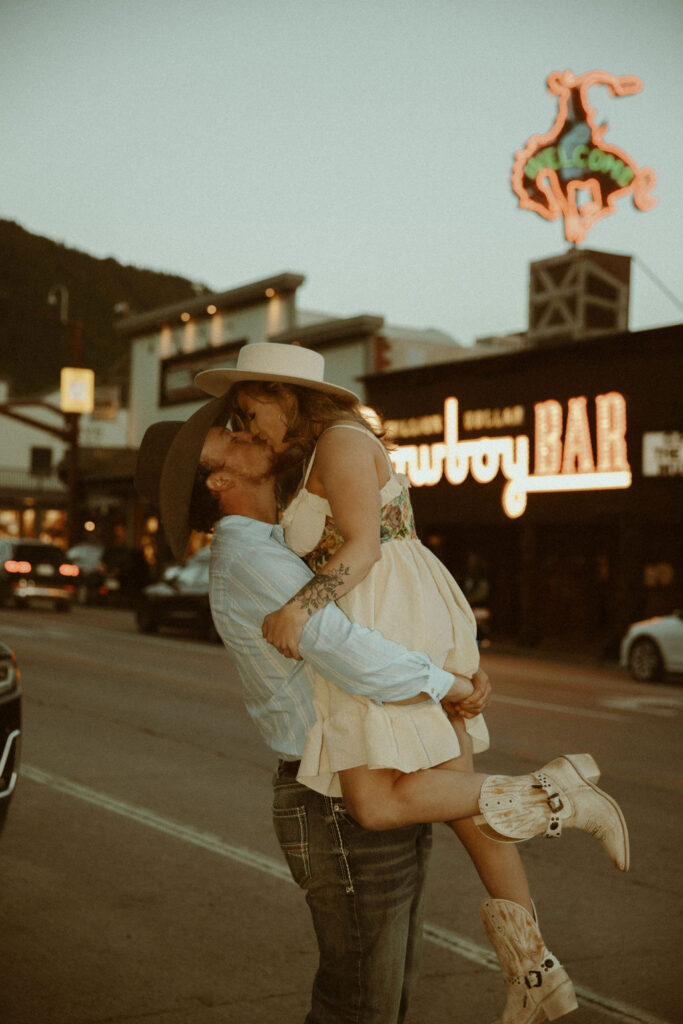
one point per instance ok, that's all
(33, 570)
(10, 727)
(180, 599)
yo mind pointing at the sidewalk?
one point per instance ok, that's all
(592, 655)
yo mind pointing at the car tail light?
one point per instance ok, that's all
(13, 566)
(67, 569)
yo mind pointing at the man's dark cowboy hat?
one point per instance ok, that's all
(167, 465)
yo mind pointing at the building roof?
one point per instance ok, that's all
(497, 363)
(234, 298)
(330, 331)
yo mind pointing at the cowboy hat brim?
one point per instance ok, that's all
(150, 459)
(178, 448)
(218, 382)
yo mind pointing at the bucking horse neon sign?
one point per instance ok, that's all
(571, 172)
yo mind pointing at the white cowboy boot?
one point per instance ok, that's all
(538, 987)
(562, 793)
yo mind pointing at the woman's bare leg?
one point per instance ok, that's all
(499, 865)
(382, 798)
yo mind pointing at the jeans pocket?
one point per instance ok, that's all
(291, 829)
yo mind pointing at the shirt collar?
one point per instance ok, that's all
(254, 528)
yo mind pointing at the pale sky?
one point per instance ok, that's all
(367, 145)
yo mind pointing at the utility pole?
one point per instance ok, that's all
(77, 396)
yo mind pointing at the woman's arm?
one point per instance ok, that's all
(345, 473)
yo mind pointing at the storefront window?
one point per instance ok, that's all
(9, 522)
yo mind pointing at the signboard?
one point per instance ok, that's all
(570, 172)
(663, 453)
(564, 458)
(107, 402)
(77, 389)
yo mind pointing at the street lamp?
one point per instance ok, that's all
(76, 397)
(59, 293)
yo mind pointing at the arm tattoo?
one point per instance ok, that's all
(320, 590)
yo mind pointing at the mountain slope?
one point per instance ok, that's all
(33, 345)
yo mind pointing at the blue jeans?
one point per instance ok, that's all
(365, 891)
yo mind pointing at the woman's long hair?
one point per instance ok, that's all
(313, 412)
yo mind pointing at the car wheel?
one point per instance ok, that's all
(62, 606)
(145, 619)
(645, 661)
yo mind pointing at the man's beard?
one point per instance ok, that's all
(253, 478)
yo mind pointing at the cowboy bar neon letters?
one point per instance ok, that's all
(563, 453)
(572, 158)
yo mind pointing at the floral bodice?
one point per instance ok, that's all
(396, 520)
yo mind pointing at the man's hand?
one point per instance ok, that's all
(473, 705)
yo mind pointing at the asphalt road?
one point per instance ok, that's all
(140, 880)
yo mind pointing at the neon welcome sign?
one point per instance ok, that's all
(571, 172)
(564, 459)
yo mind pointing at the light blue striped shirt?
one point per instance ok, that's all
(253, 573)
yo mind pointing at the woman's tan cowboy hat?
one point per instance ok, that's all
(167, 465)
(271, 361)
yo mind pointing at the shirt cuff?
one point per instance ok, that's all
(438, 683)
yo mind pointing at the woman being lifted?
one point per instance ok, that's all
(398, 764)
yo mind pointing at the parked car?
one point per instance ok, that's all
(653, 647)
(111, 573)
(126, 566)
(32, 570)
(10, 727)
(180, 599)
(95, 582)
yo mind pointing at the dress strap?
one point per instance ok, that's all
(309, 467)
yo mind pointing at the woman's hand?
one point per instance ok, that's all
(480, 697)
(283, 629)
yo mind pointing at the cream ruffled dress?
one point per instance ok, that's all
(412, 599)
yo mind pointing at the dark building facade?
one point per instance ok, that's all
(557, 473)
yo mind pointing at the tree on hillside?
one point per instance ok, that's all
(33, 344)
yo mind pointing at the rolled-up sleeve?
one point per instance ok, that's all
(359, 660)
(362, 661)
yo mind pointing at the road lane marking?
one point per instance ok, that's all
(665, 707)
(562, 709)
(443, 937)
(43, 633)
(173, 828)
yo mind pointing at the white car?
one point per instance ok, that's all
(654, 647)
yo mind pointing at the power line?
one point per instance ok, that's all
(653, 277)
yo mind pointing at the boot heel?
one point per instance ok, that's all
(490, 833)
(561, 1001)
(585, 766)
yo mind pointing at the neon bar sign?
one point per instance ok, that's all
(564, 459)
(552, 170)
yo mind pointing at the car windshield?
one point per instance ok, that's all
(193, 575)
(87, 556)
(38, 553)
